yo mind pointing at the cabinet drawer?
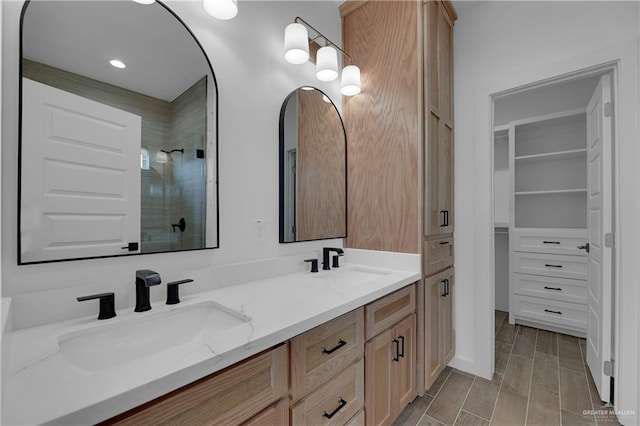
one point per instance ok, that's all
(357, 420)
(229, 397)
(323, 351)
(549, 241)
(574, 291)
(335, 402)
(438, 254)
(550, 265)
(563, 314)
(385, 312)
(276, 415)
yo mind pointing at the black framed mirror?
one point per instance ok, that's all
(118, 132)
(313, 168)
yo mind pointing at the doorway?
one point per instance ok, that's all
(554, 216)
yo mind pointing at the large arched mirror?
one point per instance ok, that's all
(313, 168)
(118, 144)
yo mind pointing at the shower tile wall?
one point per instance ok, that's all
(187, 197)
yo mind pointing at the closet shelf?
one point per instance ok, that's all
(556, 154)
(555, 191)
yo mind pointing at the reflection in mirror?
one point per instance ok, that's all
(118, 135)
(313, 161)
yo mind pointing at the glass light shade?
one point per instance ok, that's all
(296, 44)
(162, 157)
(221, 9)
(145, 1)
(327, 64)
(350, 84)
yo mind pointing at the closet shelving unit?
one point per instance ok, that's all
(548, 221)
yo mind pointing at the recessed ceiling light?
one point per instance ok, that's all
(145, 1)
(117, 63)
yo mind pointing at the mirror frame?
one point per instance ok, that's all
(216, 135)
(281, 149)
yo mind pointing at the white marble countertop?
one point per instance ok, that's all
(42, 386)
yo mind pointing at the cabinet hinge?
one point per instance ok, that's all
(608, 109)
(608, 368)
(609, 240)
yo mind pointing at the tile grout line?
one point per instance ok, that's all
(559, 385)
(586, 371)
(495, 404)
(435, 396)
(465, 399)
(533, 362)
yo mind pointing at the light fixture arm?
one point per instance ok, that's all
(326, 39)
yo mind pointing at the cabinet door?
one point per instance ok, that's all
(435, 289)
(447, 338)
(405, 367)
(379, 353)
(438, 120)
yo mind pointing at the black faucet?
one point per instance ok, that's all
(145, 278)
(325, 256)
(173, 297)
(107, 304)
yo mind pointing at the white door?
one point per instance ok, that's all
(599, 207)
(80, 194)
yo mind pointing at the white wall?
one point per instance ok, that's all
(253, 81)
(504, 45)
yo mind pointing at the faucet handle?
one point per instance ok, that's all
(314, 264)
(172, 291)
(107, 304)
(336, 263)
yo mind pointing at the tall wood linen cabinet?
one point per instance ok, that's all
(400, 152)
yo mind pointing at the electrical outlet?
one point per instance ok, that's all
(259, 229)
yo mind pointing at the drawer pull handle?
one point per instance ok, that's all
(340, 344)
(548, 265)
(552, 288)
(444, 243)
(338, 408)
(401, 354)
(553, 312)
(551, 242)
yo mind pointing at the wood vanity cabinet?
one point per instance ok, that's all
(327, 372)
(233, 396)
(390, 356)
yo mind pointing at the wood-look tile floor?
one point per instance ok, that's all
(541, 378)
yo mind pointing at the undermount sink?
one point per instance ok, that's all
(109, 345)
(351, 276)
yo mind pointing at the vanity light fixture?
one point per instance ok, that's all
(300, 48)
(221, 9)
(145, 1)
(117, 63)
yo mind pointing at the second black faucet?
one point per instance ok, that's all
(325, 256)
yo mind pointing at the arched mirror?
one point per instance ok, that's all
(118, 144)
(313, 168)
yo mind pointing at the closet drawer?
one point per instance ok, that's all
(438, 254)
(574, 291)
(386, 311)
(562, 314)
(550, 265)
(335, 402)
(549, 241)
(321, 352)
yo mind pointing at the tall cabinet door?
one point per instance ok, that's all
(438, 120)
(447, 338)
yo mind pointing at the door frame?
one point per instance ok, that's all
(611, 68)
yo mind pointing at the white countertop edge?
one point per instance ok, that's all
(131, 398)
